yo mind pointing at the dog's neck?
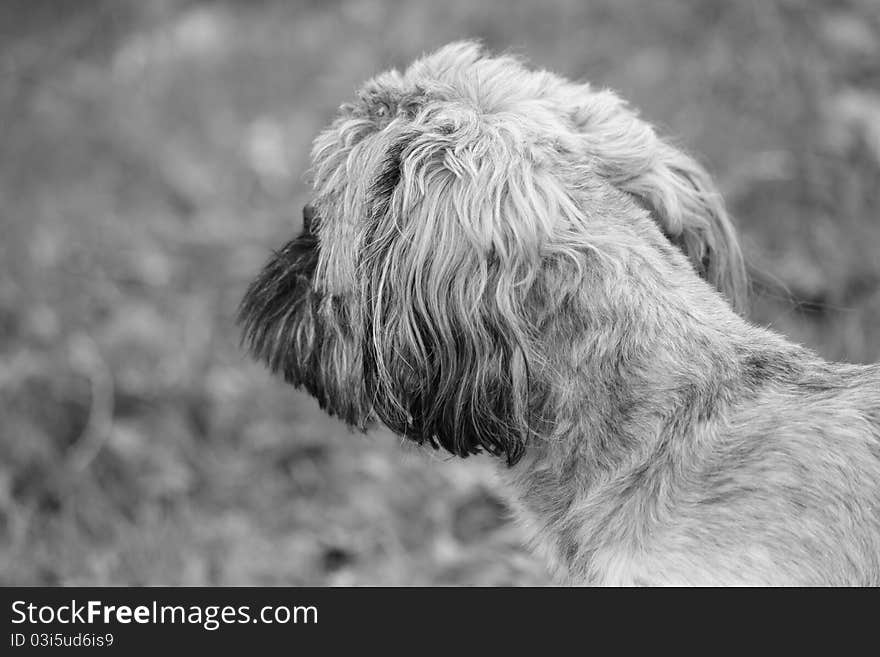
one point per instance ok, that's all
(649, 354)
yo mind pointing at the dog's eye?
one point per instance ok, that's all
(382, 110)
(308, 218)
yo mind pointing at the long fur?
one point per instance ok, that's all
(499, 260)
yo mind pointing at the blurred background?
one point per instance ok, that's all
(151, 154)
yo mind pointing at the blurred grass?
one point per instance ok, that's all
(152, 153)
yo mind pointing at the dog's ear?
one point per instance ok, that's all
(448, 256)
(683, 200)
(670, 184)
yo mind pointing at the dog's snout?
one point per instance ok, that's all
(308, 217)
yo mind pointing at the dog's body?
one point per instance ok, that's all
(499, 260)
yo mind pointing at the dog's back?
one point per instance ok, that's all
(796, 472)
(782, 489)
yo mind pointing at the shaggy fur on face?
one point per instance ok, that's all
(499, 260)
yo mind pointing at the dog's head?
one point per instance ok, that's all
(451, 203)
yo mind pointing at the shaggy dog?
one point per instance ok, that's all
(499, 260)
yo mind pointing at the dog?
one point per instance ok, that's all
(499, 260)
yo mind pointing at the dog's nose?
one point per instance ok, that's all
(308, 216)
